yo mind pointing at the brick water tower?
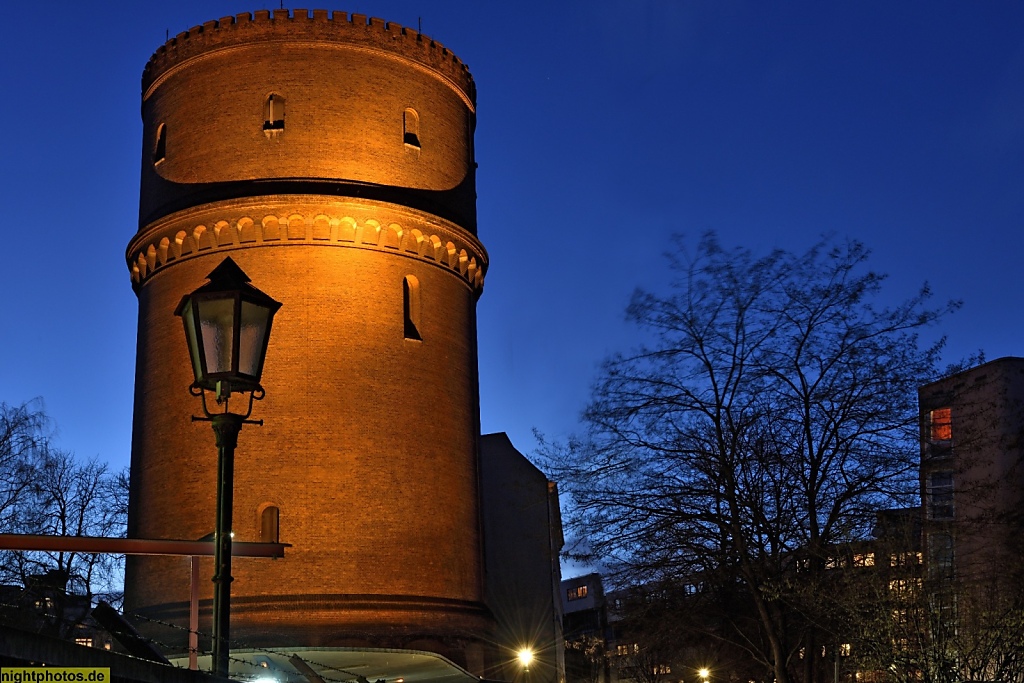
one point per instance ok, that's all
(331, 157)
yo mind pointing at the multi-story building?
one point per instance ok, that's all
(972, 470)
(972, 488)
(43, 606)
(586, 628)
(522, 533)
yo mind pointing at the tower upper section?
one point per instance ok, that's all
(307, 103)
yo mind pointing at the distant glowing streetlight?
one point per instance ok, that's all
(227, 327)
(525, 656)
(704, 674)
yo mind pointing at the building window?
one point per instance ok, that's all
(270, 524)
(940, 424)
(160, 148)
(411, 307)
(273, 115)
(904, 586)
(940, 495)
(844, 649)
(905, 559)
(864, 560)
(84, 641)
(411, 125)
(940, 554)
(943, 607)
(662, 669)
(576, 592)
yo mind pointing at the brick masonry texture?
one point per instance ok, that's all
(370, 442)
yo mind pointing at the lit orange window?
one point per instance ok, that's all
(941, 424)
(576, 592)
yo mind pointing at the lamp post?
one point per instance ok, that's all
(227, 327)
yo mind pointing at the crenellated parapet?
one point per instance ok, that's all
(220, 229)
(320, 26)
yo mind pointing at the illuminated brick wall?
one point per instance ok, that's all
(370, 444)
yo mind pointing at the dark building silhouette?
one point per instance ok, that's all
(522, 539)
(972, 471)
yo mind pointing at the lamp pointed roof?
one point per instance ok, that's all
(229, 277)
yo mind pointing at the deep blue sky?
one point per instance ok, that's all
(603, 127)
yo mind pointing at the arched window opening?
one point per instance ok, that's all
(273, 115)
(160, 148)
(411, 121)
(411, 307)
(270, 519)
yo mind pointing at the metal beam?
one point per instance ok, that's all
(134, 546)
(305, 669)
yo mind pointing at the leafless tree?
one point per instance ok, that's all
(49, 491)
(586, 659)
(22, 437)
(771, 413)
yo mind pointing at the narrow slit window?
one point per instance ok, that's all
(411, 307)
(270, 524)
(411, 122)
(160, 148)
(273, 114)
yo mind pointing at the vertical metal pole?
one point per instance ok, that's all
(193, 614)
(225, 427)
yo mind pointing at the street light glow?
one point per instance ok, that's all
(704, 673)
(525, 656)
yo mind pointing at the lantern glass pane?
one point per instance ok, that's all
(255, 320)
(187, 314)
(216, 320)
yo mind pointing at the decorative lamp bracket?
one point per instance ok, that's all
(222, 396)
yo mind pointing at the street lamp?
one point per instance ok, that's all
(227, 327)
(525, 657)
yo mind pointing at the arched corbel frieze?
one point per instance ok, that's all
(444, 249)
